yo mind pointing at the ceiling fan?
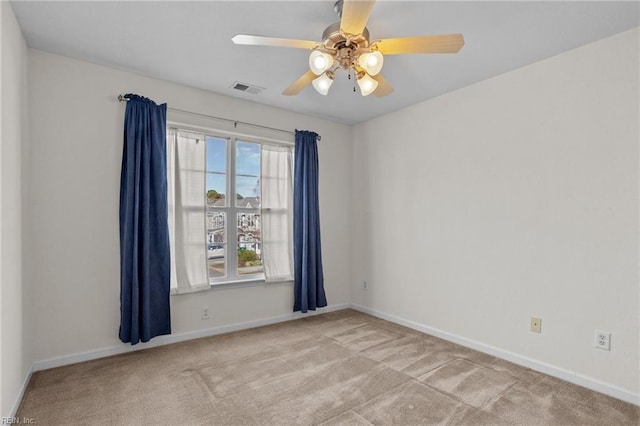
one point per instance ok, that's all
(346, 45)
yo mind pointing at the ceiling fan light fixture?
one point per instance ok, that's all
(346, 45)
(367, 84)
(372, 62)
(323, 83)
(319, 62)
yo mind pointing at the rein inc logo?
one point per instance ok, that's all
(17, 421)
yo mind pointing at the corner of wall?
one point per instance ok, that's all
(15, 346)
(1, 97)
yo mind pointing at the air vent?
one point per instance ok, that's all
(245, 87)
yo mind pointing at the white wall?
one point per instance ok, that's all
(74, 168)
(15, 346)
(512, 198)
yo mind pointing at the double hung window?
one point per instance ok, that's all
(234, 235)
(216, 209)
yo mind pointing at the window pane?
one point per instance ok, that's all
(216, 244)
(216, 172)
(249, 244)
(248, 192)
(247, 174)
(216, 260)
(216, 155)
(216, 227)
(247, 158)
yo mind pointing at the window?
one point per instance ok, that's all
(224, 225)
(234, 236)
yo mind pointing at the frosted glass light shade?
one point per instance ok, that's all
(367, 85)
(323, 83)
(319, 62)
(371, 62)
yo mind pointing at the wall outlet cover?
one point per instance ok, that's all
(204, 313)
(603, 340)
(536, 325)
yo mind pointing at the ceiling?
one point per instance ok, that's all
(190, 43)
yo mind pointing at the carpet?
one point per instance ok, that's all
(339, 368)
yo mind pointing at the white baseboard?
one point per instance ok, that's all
(560, 373)
(23, 389)
(174, 338)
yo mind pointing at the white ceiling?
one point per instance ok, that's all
(190, 43)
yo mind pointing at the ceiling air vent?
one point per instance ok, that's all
(249, 88)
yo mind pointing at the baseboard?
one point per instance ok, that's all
(174, 338)
(23, 389)
(560, 373)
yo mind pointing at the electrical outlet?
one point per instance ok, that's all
(603, 340)
(365, 285)
(204, 313)
(536, 325)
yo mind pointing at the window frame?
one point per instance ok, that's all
(231, 261)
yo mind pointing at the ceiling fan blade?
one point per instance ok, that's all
(383, 88)
(300, 84)
(450, 43)
(273, 41)
(355, 14)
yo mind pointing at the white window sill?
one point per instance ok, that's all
(225, 285)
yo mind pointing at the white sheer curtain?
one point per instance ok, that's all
(187, 211)
(277, 212)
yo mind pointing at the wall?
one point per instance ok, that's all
(512, 198)
(15, 346)
(76, 132)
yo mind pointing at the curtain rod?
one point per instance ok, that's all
(121, 98)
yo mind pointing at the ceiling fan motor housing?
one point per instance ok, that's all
(345, 47)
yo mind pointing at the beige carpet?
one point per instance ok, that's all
(340, 368)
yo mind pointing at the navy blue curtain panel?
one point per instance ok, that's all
(144, 231)
(308, 285)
